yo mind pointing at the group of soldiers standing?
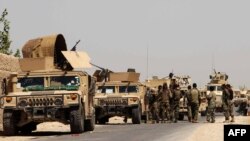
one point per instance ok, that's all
(164, 104)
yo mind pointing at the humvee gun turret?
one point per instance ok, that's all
(48, 89)
(120, 95)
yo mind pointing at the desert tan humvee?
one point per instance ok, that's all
(217, 79)
(121, 95)
(47, 90)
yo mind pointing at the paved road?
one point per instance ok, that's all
(180, 131)
(127, 132)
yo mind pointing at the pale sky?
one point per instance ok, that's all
(181, 35)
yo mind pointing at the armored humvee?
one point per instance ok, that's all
(241, 100)
(48, 89)
(120, 95)
(217, 80)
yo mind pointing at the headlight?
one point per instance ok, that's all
(8, 99)
(23, 103)
(133, 100)
(58, 101)
(73, 96)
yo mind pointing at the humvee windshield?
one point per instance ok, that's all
(64, 81)
(31, 81)
(106, 89)
(128, 89)
(55, 83)
(216, 88)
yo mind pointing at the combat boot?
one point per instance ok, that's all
(226, 120)
(189, 119)
(232, 120)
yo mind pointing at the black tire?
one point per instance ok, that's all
(90, 124)
(27, 129)
(77, 120)
(203, 113)
(181, 117)
(9, 123)
(145, 118)
(136, 115)
(103, 120)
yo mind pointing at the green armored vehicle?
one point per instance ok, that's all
(120, 95)
(48, 89)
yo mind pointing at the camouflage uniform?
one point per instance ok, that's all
(175, 100)
(227, 104)
(153, 107)
(164, 104)
(211, 106)
(189, 100)
(195, 96)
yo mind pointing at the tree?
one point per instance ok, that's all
(4, 36)
(17, 54)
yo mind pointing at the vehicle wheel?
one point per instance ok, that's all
(181, 117)
(90, 124)
(77, 120)
(136, 115)
(103, 120)
(203, 113)
(145, 118)
(27, 129)
(9, 123)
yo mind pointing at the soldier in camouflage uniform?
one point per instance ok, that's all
(195, 96)
(211, 98)
(175, 100)
(164, 102)
(227, 103)
(189, 100)
(231, 103)
(153, 104)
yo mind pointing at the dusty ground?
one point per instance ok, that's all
(214, 132)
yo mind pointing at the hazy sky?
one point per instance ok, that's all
(181, 35)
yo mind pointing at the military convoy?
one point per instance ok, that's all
(120, 94)
(48, 89)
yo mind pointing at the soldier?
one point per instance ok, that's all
(175, 99)
(228, 105)
(189, 100)
(195, 96)
(153, 104)
(164, 102)
(211, 98)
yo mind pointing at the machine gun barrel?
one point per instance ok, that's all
(74, 47)
(97, 66)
